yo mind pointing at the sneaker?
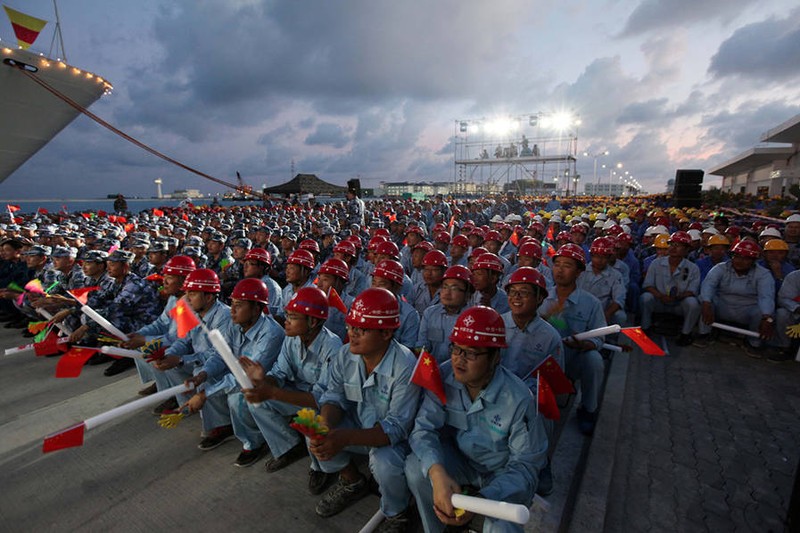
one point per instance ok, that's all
(756, 352)
(702, 341)
(685, 339)
(318, 481)
(119, 366)
(215, 438)
(341, 496)
(395, 524)
(586, 421)
(545, 487)
(147, 391)
(251, 457)
(780, 356)
(296, 453)
(167, 407)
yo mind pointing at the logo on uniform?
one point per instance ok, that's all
(497, 420)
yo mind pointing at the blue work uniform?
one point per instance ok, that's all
(786, 313)
(434, 330)
(608, 287)
(386, 397)
(498, 302)
(685, 278)
(495, 443)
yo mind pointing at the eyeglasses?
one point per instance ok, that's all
(469, 355)
(356, 332)
(452, 288)
(514, 293)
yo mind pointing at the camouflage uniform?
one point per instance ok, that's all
(129, 305)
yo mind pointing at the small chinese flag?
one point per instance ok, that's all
(12, 208)
(112, 218)
(644, 342)
(184, 318)
(185, 217)
(549, 236)
(158, 212)
(158, 278)
(335, 301)
(558, 381)
(514, 239)
(102, 213)
(71, 363)
(50, 345)
(42, 211)
(82, 294)
(129, 228)
(426, 375)
(547, 400)
(66, 438)
(122, 220)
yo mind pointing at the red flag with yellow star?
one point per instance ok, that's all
(184, 317)
(547, 400)
(426, 375)
(644, 342)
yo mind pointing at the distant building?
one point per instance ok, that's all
(186, 193)
(423, 189)
(765, 170)
(603, 189)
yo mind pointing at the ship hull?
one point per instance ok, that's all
(30, 116)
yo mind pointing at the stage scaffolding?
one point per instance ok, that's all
(527, 154)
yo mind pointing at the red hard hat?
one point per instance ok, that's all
(626, 238)
(478, 232)
(616, 229)
(424, 245)
(488, 261)
(479, 326)
(202, 280)
(310, 245)
(493, 235)
(309, 301)
(302, 258)
(459, 272)
(537, 226)
(345, 247)
(564, 236)
(180, 265)
(527, 275)
(478, 251)
(372, 246)
(374, 308)
(438, 227)
(602, 246)
(388, 248)
(414, 229)
(531, 248)
(696, 225)
(573, 251)
(335, 267)
(460, 240)
(435, 258)
(391, 270)
(680, 237)
(251, 289)
(747, 248)
(356, 240)
(382, 232)
(259, 254)
(579, 228)
(442, 236)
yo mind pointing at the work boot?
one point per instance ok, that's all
(251, 457)
(296, 453)
(318, 481)
(341, 496)
(216, 437)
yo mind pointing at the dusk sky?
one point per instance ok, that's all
(373, 88)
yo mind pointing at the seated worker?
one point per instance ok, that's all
(333, 274)
(256, 265)
(427, 294)
(389, 275)
(296, 380)
(672, 285)
(189, 354)
(739, 292)
(440, 318)
(487, 270)
(774, 259)
(716, 252)
(164, 327)
(489, 437)
(251, 333)
(604, 282)
(572, 310)
(530, 341)
(369, 405)
(299, 266)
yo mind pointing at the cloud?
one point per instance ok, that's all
(652, 15)
(643, 112)
(768, 51)
(329, 134)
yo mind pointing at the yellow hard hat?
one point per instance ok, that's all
(776, 244)
(661, 241)
(718, 240)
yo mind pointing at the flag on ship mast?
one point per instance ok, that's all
(26, 27)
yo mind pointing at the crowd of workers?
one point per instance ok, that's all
(329, 307)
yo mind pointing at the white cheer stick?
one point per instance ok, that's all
(122, 352)
(736, 330)
(611, 347)
(63, 328)
(511, 512)
(135, 405)
(108, 326)
(599, 332)
(218, 341)
(373, 522)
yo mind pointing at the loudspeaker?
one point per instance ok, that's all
(355, 186)
(688, 185)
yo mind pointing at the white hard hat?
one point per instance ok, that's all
(711, 230)
(660, 229)
(772, 232)
(695, 234)
(625, 220)
(793, 218)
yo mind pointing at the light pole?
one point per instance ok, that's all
(595, 156)
(611, 172)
